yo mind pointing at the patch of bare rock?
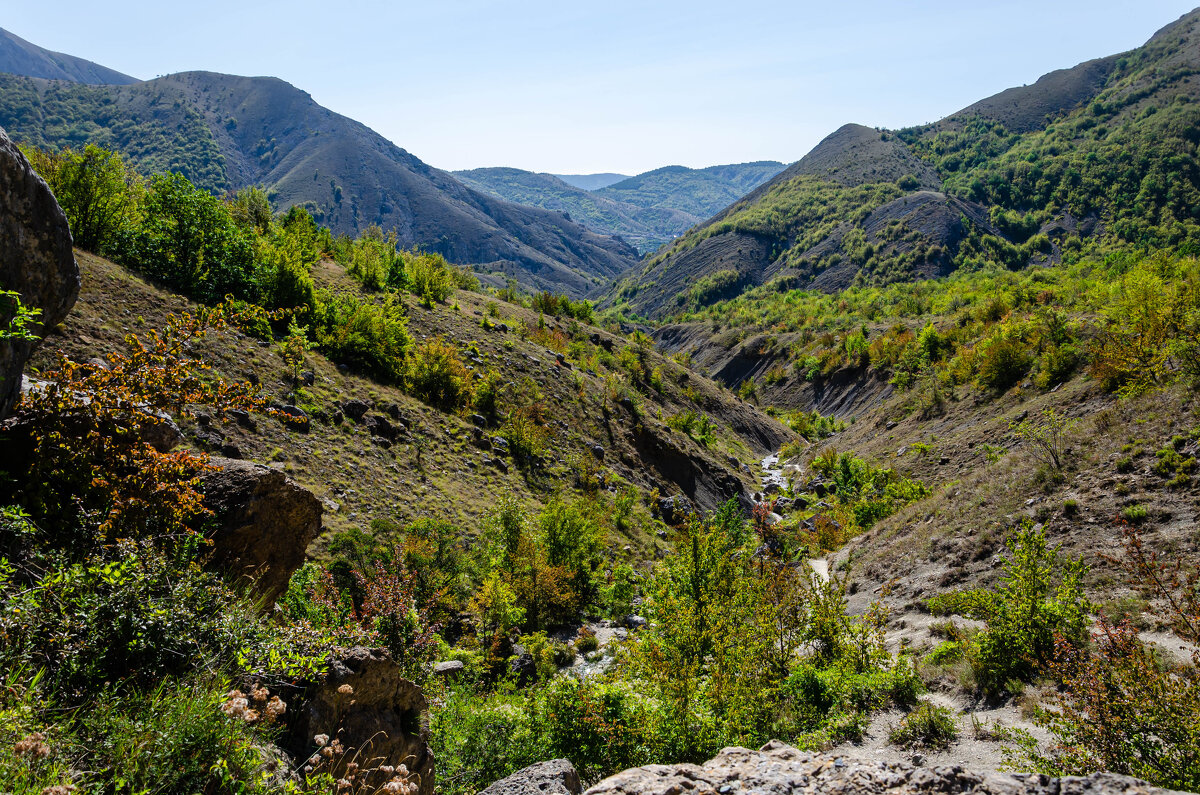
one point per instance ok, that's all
(779, 769)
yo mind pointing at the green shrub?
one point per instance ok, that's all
(437, 376)
(928, 726)
(1024, 615)
(370, 337)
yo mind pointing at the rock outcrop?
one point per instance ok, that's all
(779, 769)
(556, 777)
(366, 704)
(36, 260)
(265, 522)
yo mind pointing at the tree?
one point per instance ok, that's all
(96, 190)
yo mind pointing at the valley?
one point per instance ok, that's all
(328, 471)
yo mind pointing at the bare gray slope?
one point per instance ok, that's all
(20, 57)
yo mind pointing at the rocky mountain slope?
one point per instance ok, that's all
(20, 57)
(226, 132)
(1011, 180)
(400, 459)
(647, 210)
(591, 181)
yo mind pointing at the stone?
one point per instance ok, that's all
(243, 419)
(522, 666)
(356, 409)
(674, 510)
(449, 668)
(308, 378)
(556, 777)
(366, 703)
(296, 418)
(478, 420)
(379, 426)
(597, 451)
(779, 768)
(264, 524)
(36, 261)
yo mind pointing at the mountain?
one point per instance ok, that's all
(1100, 155)
(226, 132)
(647, 210)
(20, 57)
(698, 191)
(644, 228)
(591, 181)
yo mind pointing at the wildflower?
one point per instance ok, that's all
(250, 715)
(315, 759)
(59, 789)
(387, 770)
(343, 784)
(260, 694)
(321, 740)
(346, 690)
(34, 745)
(275, 707)
(352, 768)
(392, 786)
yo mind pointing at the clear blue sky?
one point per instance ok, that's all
(578, 86)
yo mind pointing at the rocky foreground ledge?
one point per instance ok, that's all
(779, 769)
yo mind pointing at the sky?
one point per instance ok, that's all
(579, 86)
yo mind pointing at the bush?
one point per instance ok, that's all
(370, 337)
(928, 726)
(97, 191)
(1026, 616)
(1002, 360)
(437, 376)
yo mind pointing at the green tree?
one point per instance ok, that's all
(97, 191)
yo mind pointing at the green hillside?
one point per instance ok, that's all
(647, 210)
(696, 191)
(1099, 157)
(645, 228)
(226, 133)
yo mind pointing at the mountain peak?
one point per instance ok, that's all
(20, 57)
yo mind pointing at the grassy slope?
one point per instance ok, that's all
(341, 465)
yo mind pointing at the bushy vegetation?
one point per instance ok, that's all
(1038, 611)
(739, 649)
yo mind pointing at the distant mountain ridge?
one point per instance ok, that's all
(647, 210)
(20, 57)
(1104, 151)
(591, 181)
(225, 132)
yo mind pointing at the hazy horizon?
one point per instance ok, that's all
(624, 89)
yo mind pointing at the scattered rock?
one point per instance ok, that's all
(265, 522)
(556, 777)
(308, 378)
(356, 409)
(295, 418)
(779, 768)
(478, 420)
(674, 510)
(522, 666)
(243, 419)
(597, 451)
(449, 668)
(36, 260)
(379, 426)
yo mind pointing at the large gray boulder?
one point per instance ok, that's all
(368, 706)
(36, 260)
(779, 769)
(265, 522)
(556, 777)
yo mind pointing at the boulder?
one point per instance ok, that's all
(36, 260)
(265, 522)
(366, 704)
(779, 768)
(356, 409)
(556, 777)
(449, 668)
(379, 426)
